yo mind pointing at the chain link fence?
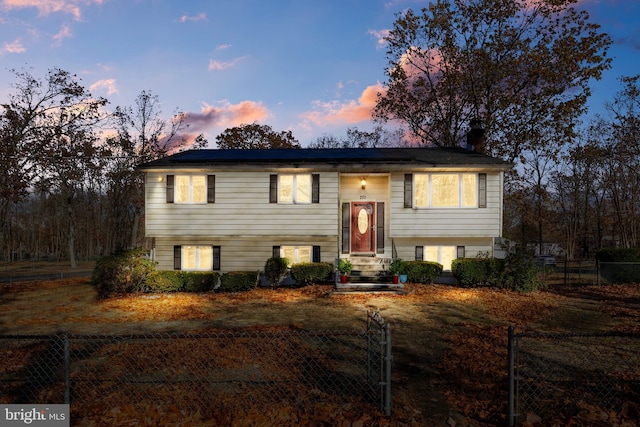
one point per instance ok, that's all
(217, 374)
(559, 376)
(618, 272)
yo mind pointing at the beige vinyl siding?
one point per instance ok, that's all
(241, 254)
(446, 222)
(406, 246)
(241, 208)
(376, 190)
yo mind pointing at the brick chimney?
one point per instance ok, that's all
(475, 137)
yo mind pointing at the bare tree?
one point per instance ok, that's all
(141, 135)
(44, 124)
(522, 68)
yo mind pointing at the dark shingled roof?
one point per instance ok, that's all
(430, 156)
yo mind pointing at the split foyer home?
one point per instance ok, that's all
(231, 210)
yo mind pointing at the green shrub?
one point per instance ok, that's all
(274, 269)
(477, 271)
(236, 281)
(397, 266)
(306, 273)
(520, 273)
(201, 281)
(166, 281)
(345, 266)
(422, 271)
(122, 272)
(627, 272)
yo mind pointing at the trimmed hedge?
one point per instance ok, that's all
(236, 281)
(619, 273)
(517, 272)
(471, 272)
(306, 273)
(422, 271)
(167, 281)
(122, 272)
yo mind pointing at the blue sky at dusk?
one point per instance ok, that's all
(309, 66)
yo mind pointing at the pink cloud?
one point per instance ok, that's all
(64, 33)
(228, 115)
(14, 47)
(218, 66)
(380, 37)
(46, 7)
(346, 113)
(199, 17)
(108, 84)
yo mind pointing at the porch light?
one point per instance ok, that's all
(363, 183)
(160, 178)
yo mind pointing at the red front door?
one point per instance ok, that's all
(363, 227)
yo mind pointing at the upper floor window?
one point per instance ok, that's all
(445, 190)
(191, 189)
(294, 188)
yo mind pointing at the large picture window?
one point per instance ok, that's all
(445, 190)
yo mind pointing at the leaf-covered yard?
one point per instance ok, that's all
(449, 343)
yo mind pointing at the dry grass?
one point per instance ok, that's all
(449, 343)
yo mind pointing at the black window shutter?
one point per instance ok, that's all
(419, 253)
(316, 254)
(460, 252)
(346, 230)
(170, 188)
(380, 227)
(482, 190)
(177, 257)
(315, 188)
(216, 257)
(408, 190)
(211, 188)
(273, 188)
(275, 252)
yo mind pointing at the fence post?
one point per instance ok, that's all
(67, 370)
(511, 362)
(387, 363)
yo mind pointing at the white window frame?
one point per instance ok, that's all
(190, 201)
(430, 190)
(294, 189)
(296, 257)
(198, 254)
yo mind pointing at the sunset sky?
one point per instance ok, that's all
(309, 66)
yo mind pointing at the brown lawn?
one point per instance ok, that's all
(449, 344)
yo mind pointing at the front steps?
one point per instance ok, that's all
(369, 274)
(369, 269)
(343, 288)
